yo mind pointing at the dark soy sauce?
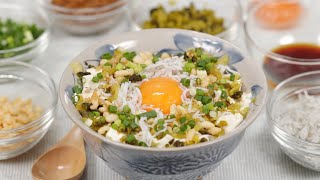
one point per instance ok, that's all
(278, 71)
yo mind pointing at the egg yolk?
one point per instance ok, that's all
(279, 14)
(161, 93)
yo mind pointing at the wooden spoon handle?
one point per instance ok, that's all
(73, 138)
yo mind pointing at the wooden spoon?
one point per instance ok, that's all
(66, 160)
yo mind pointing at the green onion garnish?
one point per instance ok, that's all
(185, 82)
(182, 120)
(232, 77)
(148, 115)
(106, 56)
(112, 109)
(130, 138)
(129, 55)
(77, 89)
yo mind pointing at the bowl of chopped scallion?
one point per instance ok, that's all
(24, 32)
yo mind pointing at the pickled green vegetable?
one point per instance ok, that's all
(190, 18)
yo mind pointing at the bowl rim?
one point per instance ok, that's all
(270, 53)
(109, 8)
(220, 35)
(45, 35)
(236, 131)
(269, 109)
(45, 114)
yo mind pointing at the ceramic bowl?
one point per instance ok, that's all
(188, 162)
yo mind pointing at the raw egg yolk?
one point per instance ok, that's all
(161, 93)
(279, 14)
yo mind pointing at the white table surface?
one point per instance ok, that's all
(257, 157)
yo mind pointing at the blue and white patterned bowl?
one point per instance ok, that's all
(190, 162)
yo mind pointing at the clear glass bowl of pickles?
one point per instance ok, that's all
(220, 18)
(24, 32)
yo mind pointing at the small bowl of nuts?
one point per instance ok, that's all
(28, 101)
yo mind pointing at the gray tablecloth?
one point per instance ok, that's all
(257, 157)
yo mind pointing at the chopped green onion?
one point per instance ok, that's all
(99, 75)
(211, 87)
(143, 76)
(185, 82)
(200, 92)
(106, 56)
(143, 65)
(77, 89)
(155, 59)
(199, 51)
(123, 117)
(207, 108)
(112, 109)
(182, 120)
(130, 138)
(141, 143)
(172, 116)
(206, 99)
(224, 94)
(214, 59)
(120, 66)
(220, 104)
(96, 113)
(107, 64)
(159, 126)
(126, 109)
(95, 79)
(232, 77)
(198, 97)
(102, 119)
(188, 67)
(133, 125)
(117, 122)
(192, 123)
(222, 81)
(126, 122)
(209, 66)
(114, 126)
(183, 128)
(132, 116)
(148, 115)
(129, 55)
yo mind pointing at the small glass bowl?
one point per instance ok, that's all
(18, 79)
(85, 21)
(229, 10)
(20, 13)
(301, 151)
(262, 40)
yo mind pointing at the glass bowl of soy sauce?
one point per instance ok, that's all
(285, 37)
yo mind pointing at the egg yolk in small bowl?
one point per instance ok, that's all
(161, 92)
